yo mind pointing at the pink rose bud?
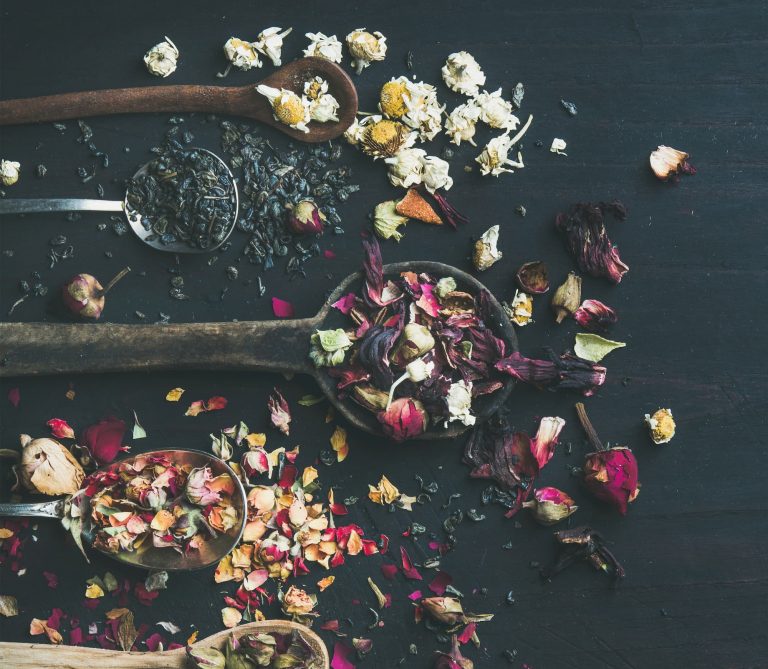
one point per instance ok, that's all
(611, 476)
(406, 418)
(255, 462)
(84, 296)
(446, 610)
(305, 218)
(550, 506)
(595, 316)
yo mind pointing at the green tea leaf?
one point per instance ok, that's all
(311, 400)
(593, 347)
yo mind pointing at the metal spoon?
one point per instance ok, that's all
(155, 558)
(148, 236)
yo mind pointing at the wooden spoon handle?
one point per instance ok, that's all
(43, 656)
(213, 99)
(43, 348)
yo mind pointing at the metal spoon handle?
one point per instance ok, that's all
(52, 509)
(46, 204)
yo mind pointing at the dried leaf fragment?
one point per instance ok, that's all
(593, 347)
(9, 606)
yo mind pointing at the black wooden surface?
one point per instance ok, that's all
(689, 74)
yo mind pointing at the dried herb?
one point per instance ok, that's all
(566, 372)
(584, 544)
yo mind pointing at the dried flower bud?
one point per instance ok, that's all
(666, 162)
(279, 412)
(369, 397)
(459, 403)
(661, 425)
(305, 218)
(49, 468)
(532, 277)
(415, 341)
(84, 296)
(386, 220)
(446, 610)
(462, 73)
(404, 419)
(9, 172)
(550, 506)
(287, 107)
(161, 59)
(323, 46)
(297, 602)
(255, 462)
(595, 316)
(366, 47)
(566, 299)
(611, 476)
(485, 253)
(206, 658)
(452, 660)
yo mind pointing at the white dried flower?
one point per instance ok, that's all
(270, 43)
(424, 112)
(461, 73)
(558, 146)
(243, 55)
(435, 174)
(486, 252)
(9, 172)
(366, 47)
(322, 105)
(461, 123)
(495, 111)
(520, 310)
(287, 107)
(406, 168)
(323, 46)
(162, 58)
(493, 157)
(354, 133)
(459, 401)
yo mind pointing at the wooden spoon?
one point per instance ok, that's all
(46, 656)
(274, 346)
(236, 101)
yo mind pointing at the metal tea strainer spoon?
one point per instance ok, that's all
(149, 557)
(140, 224)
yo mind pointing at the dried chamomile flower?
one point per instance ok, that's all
(558, 146)
(667, 162)
(435, 174)
(406, 168)
(392, 98)
(495, 111)
(322, 105)
(270, 43)
(461, 73)
(661, 425)
(161, 58)
(287, 107)
(424, 113)
(9, 172)
(520, 310)
(493, 157)
(485, 252)
(243, 55)
(386, 220)
(459, 401)
(366, 47)
(323, 46)
(461, 123)
(354, 133)
(382, 138)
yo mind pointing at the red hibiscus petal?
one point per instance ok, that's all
(105, 439)
(344, 304)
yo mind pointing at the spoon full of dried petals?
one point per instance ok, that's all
(242, 101)
(171, 510)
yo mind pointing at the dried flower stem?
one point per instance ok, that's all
(114, 280)
(589, 428)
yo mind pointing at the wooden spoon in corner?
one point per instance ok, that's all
(46, 656)
(242, 101)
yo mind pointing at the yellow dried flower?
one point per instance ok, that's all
(661, 425)
(288, 108)
(384, 138)
(392, 99)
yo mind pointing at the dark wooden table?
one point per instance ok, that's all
(688, 74)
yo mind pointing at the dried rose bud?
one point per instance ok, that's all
(255, 462)
(305, 218)
(595, 316)
(661, 425)
(532, 277)
(453, 659)
(667, 162)
(446, 610)
(84, 296)
(369, 397)
(406, 418)
(566, 299)
(279, 413)
(49, 468)
(485, 252)
(415, 341)
(206, 658)
(298, 602)
(550, 506)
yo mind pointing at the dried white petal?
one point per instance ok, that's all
(354, 133)
(162, 58)
(459, 401)
(435, 174)
(461, 73)
(9, 172)
(461, 123)
(424, 112)
(495, 111)
(366, 47)
(322, 105)
(558, 146)
(270, 43)
(323, 46)
(486, 252)
(493, 157)
(520, 310)
(406, 168)
(243, 55)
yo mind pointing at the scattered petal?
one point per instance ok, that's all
(60, 429)
(339, 443)
(281, 308)
(174, 395)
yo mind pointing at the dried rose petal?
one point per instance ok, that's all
(532, 277)
(281, 308)
(345, 303)
(453, 659)
(14, 397)
(595, 316)
(104, 440)
(406, 418)
(446, 610)
(440, 583)
(543, 444)
(279, 412)
(342, 656)
(408, 569)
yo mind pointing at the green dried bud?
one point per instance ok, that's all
(369, 397)
(567, 297)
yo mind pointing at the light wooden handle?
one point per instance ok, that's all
(42, 656)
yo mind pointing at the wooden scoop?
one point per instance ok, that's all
(236, 101)
(275, 346)
(46, 656)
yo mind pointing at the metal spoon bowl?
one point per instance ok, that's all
(150, 557)
(134, 217)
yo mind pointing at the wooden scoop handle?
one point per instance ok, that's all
(28, 349)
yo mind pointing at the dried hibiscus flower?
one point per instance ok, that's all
(584, 543)
(586, 238)
(610, 474)
(564, 373)
(595, 316)
(532, 277)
